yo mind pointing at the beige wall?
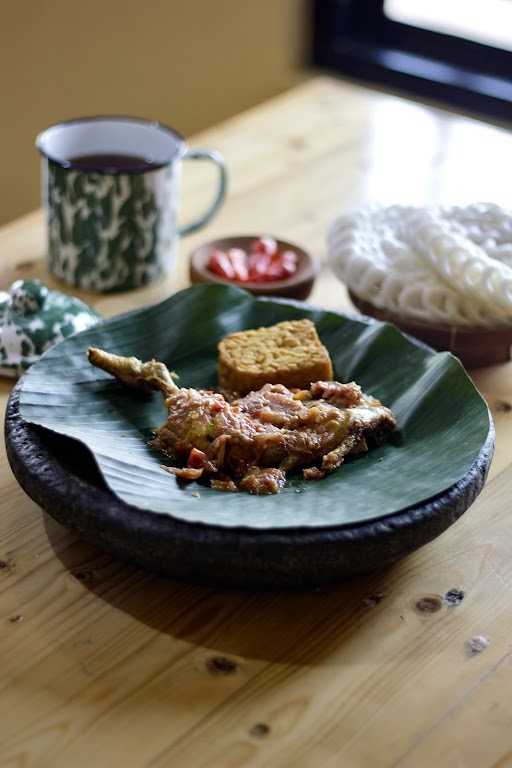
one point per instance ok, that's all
(189, 63)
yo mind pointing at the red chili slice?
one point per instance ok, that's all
(265, 245)
(219, 264)
(289, 262)
(282, 266)
(259, 264)
(196, 459)
(238, 258)
(263, 263)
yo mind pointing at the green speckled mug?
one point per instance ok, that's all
(110, 193)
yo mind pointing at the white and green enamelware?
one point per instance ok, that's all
(33, 319)
(114, 227)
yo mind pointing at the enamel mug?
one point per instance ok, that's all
(110, 194)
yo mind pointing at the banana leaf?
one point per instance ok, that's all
(443, 421)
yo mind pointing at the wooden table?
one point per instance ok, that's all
(105, 665)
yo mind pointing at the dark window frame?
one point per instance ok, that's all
(356, 38)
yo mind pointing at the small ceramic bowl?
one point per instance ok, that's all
(298, 286)
(475, 347)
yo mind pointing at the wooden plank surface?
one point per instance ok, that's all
(103, 664)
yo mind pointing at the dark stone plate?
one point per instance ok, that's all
(61, 476)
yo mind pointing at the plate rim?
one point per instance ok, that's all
(216, 556)
(17, 430)
(346, 316)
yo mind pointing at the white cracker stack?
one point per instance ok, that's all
(446, 265)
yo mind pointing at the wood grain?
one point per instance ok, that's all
(102, 664)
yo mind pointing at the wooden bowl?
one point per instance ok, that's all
(298, 286)
(475, 347)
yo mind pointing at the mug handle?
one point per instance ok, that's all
(215, 157)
